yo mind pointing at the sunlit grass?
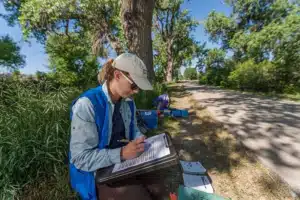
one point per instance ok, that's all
(34, 134)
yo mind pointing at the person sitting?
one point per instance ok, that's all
(162, 102)
(100, 118)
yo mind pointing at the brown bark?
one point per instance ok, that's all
(136, 18)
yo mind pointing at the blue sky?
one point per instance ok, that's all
(37, 60)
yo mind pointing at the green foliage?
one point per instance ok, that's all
(16, 75)
(41, 75)
(96, 23)
(220, 27)
(215, 68)
(190, 73)
(215, 58)
(34, 124)
(98, 17)
(180, 77)
(291, 89)
(257, 33)
(74, 34)
(10, 57)
(200, 56)
(71, 60)
(203, 79)
(173, 44)
(252, 76)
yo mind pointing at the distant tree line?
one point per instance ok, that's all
(263, 41)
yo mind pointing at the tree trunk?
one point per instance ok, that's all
(169, 74)
(136, 18)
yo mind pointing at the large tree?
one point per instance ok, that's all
(10, 56)
(136, 18)
(174, 43)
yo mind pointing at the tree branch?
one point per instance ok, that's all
(162, 32)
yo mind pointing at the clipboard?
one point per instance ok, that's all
(105, 175)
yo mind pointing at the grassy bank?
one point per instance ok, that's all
(292, 97)
(34, 131)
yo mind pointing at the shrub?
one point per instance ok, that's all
(203, 79)
(291, 89)
(190, 73)
(251, 76)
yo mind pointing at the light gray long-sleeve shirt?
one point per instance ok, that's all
(85, 154)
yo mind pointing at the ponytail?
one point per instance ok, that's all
(107, 72)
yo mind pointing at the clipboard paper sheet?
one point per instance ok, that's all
(156, 147)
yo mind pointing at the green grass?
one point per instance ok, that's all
(292, 97)
(34, 131)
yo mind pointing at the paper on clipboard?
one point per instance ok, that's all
(155, 148)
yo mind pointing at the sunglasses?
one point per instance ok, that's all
(132, 83)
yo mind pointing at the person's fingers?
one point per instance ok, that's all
(141, 146)
(134, 146)
(137, 148)
(140, 149)
(140, 139)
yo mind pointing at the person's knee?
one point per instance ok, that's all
(157, 191)
(126, 192)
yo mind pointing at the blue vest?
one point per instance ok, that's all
(83, 182)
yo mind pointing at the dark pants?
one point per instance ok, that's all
(147, 187)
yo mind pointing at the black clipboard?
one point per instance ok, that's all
(105, 175)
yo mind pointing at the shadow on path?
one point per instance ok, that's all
(234, 170)
(268, 127)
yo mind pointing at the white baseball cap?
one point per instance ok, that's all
(132, 64)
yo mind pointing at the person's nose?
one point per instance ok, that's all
(135, 91)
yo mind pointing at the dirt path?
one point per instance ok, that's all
(234, 171)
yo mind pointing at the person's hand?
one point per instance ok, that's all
(133, 149)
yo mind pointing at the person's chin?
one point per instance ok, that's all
(126, 96)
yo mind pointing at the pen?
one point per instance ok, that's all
(124, 140)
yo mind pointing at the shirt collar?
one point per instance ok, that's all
(105, 91)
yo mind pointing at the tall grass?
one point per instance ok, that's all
(34, 134)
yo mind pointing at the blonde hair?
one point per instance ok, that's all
(107, 72)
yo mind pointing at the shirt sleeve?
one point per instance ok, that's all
(85, 154)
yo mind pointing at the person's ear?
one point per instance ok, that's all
(117, 75)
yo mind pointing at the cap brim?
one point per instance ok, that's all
(142, 82)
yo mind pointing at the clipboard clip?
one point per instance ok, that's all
(166, 141)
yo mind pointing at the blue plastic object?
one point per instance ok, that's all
(150, 118)
(167, 112)
(179, 113)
